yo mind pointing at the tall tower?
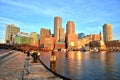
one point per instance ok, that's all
(57, 26)
(107, 32)
(11, 30)
(70, 27)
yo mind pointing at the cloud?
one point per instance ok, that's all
(89, 16)
(39, 8)
(20, 24)
(6, 20)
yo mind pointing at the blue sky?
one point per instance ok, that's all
(88, 15)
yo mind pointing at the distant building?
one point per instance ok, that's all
(52, 35)
(24, 33)
(57, 26)
(44, 33)
(22, 39)
(71, 37)
(72, 40)
(34, 39)
(49, 42)
(84, 41)
(113, 45)
(107, 32)
(81, 35)
(70, 27)
(59, 45)
(96, 37)
(61, 35)
(11, 30)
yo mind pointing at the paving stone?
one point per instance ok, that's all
(17, 66)
(11, 66)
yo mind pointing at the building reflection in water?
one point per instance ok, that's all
(85, 65)
(79, 55)
(53, 61)
(53, 66)
(103, 57)
(73, 64)
(107, 60)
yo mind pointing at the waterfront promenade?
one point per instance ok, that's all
(18, 66)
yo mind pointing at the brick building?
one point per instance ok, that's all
(49, 42)
(96, 37)
(44, 33)
(62, 35)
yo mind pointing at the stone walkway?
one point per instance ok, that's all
(18, 66)
(36, 71)
(12, 66)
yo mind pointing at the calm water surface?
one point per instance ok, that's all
(85, 65)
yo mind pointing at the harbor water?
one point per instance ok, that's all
(78, 65)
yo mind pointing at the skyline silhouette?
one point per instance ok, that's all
(88, 16)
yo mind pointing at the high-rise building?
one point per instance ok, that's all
(34, 39)
(11, 30)
(71, 37)
(57, 26)
(70, 27)
(61, 35)
(44, 33)
(107, 32)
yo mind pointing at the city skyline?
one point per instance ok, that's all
(89, 17)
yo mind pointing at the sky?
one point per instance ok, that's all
(88, 15)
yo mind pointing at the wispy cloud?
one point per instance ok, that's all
(89, 16)
(20, 24)
(39, 8)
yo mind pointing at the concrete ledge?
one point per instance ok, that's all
(36, 71)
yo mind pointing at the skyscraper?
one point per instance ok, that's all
(107, 32)
(70, 27)
(71, 37)
(57, 26)
(11, 30)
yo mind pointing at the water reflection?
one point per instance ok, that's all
(53, 62)
(85, 65)
(108, 65)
